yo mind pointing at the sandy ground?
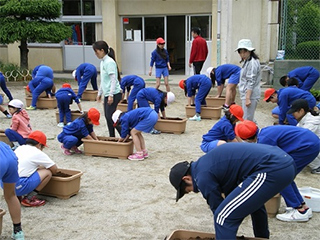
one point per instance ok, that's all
(120, 199)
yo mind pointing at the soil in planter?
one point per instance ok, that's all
(208, 238)
(169, 118)
(111, 140)
(61, 174)
(124, 101)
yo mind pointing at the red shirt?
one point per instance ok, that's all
(199, 50)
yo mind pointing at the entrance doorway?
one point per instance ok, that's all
(176, 44)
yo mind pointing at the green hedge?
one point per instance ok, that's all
(309, 50)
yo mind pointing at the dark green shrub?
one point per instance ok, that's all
(309, 50)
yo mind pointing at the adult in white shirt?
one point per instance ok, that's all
(35, 169)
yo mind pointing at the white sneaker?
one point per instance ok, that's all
(195, 118)
(309, 213)
(293, 215)
(60, 124)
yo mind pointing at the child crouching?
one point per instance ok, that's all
(82, 127)
(64, 97)
(134, 123)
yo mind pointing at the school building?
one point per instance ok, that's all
(132, 26)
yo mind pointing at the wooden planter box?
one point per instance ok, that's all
(213, 101)
(272, 206)
(123, 105)
(206, 112)
(43, 103)
(74, 115)
(88, 95)
(186, 235)
(3, 138)
(2, 212)
(171, 125)
(108, 147)
(63, 187)
(29, 94)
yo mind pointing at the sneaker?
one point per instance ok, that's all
(60, 124)
(18, 236)
(195, 118)
(136, 157)
(76, 150)
(66, 151)
(317, 170)
(8, 116)
(309, 213)
(225, 107)
(14, 148)
(155, 131)
(293, 215)
(33, 202)
(31, 108)
(145, 154)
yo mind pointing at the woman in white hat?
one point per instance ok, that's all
(249, 84)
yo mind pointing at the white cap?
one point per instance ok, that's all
(170, 98)
(246, 44)
(74, 73)
(209, 69)
(115, 115)
(16, 103)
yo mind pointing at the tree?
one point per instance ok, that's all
(31, 21)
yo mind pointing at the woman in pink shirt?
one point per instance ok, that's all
(20, 124)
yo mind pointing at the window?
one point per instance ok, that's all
(132, 28)
(88, 29)
(154, 28)
(79, 7)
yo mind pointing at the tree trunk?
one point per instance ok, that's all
(24, 54)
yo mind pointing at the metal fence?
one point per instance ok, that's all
(17, 75)
(300, 29)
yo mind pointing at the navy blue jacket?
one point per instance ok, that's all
(222, 130)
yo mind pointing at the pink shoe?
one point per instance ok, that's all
(76, 150)
(145, 154)
(136, 157)
(66, 151)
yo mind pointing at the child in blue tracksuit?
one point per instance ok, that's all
(284, 97)
(198, 82)
(4, 87)
(247, 174)
(126, 83)
(223, 131)
(301, 144)
(82, 127)
(65, 96)
(35, 70)
(220, 74)
(9, 176)
(306, 76)
(160, 57)
(133, 123)
(84, 73)
(157, 97)
(42, 82)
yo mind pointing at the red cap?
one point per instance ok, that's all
(160, 40)
(94, 116)
(245, 129)
(268, 93)
(181, 84)
(28, 88)
(237, 111)
(66, 85)
(38, 136)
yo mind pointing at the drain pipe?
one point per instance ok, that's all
(218, 34)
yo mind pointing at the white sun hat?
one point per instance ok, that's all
(74, 73)
(115, 115)
(209, 69)
(16, 103)
(170, 98)
(246, 44)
